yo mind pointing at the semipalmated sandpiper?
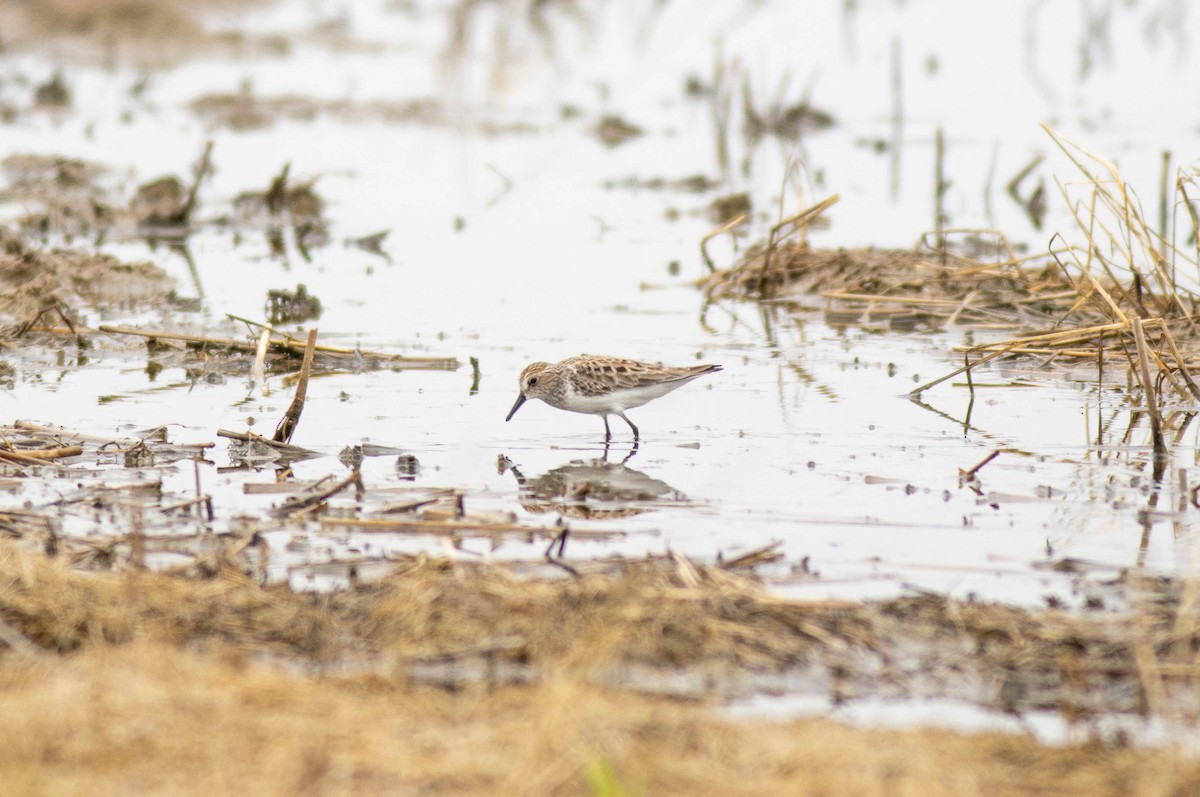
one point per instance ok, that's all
(602, 385)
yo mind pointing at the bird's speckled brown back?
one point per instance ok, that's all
(595, 375)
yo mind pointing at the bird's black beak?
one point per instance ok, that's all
(517, 406)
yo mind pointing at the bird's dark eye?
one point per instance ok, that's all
(532, 381)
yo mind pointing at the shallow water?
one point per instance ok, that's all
(516, 246)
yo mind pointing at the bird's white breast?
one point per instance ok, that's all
(617, 400)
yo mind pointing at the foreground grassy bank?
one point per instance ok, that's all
(156, 718)
(452, 678)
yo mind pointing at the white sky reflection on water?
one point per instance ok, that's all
(805, 437)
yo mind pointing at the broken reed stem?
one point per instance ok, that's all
(1100, 389)
(1119, 199)
(762, 555)
(1085, 268)
(1143, 364)
(22, 329)
(967, 367)
(1013, 187)
(969, 474)
(278, 190)
(260, 361)
(1165, 372)
(708, 237)
(250, 437)
(285, 342)
(202, 502)
(291, 418)
(1163, 195)
(202, 167)
(918, 391)
(1180, 363)
(1181, 186)
(41, 456)
(301, 503)
(475, 376)
(58, 431)
(1059, 338)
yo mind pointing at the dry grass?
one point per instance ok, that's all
(151, 718)
(894, 285)
(659, 614)
(1065, 301)
(1121, 289)
(115, 682)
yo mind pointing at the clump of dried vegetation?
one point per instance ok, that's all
(1124, 290)
(134, 680)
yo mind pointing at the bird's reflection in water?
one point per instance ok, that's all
(593, 489)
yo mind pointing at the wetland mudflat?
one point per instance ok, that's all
(949, 460)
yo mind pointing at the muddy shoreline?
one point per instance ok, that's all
(497, 647)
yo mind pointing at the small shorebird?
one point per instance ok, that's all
(602, 385)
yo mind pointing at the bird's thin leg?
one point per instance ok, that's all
(560, 540)
(633, 450)
(607, 431)
(636, 437)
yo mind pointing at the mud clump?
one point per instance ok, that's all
(725, 209)
(145, 31)
(53, 93)
(286, 203)
(292, 307)
(160, 203)
(63, 195)
(33, 278)
(613, 131)
(245, 110)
